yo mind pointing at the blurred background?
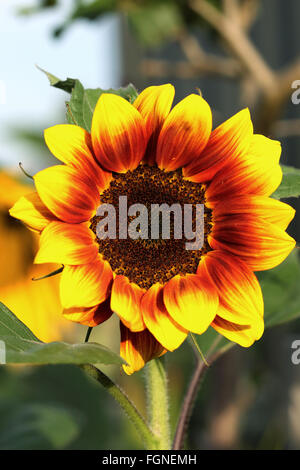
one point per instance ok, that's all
(238, 53)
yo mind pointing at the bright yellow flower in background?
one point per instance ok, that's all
(154, 154)
(36, 304)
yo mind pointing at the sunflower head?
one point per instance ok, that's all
(153, 154)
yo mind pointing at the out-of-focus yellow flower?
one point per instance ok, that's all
(37, 303)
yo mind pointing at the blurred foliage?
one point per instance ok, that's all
(152, 21)
(58, 407)
(290, 185)
(281, 292)
(42, 4)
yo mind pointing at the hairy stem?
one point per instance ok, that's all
(188, 405)
(119, 395)
(158, 403)
(192, 391)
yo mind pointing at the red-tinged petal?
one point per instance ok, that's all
(256, 172)
(32, 211)
(138, 348)
(158, 320)
(72, 145)
(226, 144)
(271, 210)
(118, 134)
(254, 240)
(244, 335)
(126, 302)
(240, 296)
(86, 285)
(184, 134)
(69, 195)
(92, 316)
(154, 104)
(191, 301)
(67, 244)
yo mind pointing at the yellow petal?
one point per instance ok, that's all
(68, 194)
(184, 134)
(240, 296)
(126, 302)
(191, 301)
(138, 348)
(91, 316)
(254, 240)
(167, 332)
(67, 244)
(32, 211)
(271, 210)
(154, 104)
(72, 145)
(227, 143)
(118, 134)
(244, 335)
(86, 285)
(255, 172)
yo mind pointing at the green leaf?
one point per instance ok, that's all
(75, 106)
(66, 85)
(155, 23)
(22, 347)
(12, 327)
(80, 107)
(281, 291)
(83, 102)
(290, 185)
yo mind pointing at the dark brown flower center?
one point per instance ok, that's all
(147, 261)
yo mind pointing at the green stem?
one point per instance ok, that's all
(158, 404)
(148, 438)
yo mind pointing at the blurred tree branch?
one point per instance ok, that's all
(263, 89)
(267, 89)
(286, 128)
(242, 48)
(183, 69)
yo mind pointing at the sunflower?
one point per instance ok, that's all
(154, 154)
(37, 305)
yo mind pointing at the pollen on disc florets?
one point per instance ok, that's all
(148, 261)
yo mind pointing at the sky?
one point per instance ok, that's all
(88, 51)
